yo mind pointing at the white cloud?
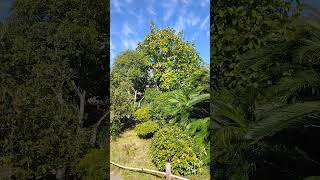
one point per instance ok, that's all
(202, 26)
(129, 43)
(185, 1)
(126, 30)
(179, 26)
(204, 3)
(116, 4)
(169, 6)
(195, 35)
(151, 11)
(185, 19)
(140, 18)
(112, 49)
(193, 20)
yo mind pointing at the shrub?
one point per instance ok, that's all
(161, 108)
(174, 145)
(94, 165)
(142, 115)
(150, 94)
(146, 129)
(198, 131)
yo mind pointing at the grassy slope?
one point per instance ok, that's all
(130, 150)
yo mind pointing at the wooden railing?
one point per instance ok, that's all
(166, 174)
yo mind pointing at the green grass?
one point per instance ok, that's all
(129, 150)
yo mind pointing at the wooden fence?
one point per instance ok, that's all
(166, 174)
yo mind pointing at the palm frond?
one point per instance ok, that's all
(226, 114)
(198, 99)
(288, 87)
(283, 118)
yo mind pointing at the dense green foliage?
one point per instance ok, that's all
(198, 129)
(240, 26)
(172, 58)
(142, 114)
(52, 61)
(128, 77)
(146, 129)
(164, 83)
(171, 144)
(265, 92)
(94, 165)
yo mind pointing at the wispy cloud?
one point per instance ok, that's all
(116, 4)
(126, 30)
(203, 27)
(193, 20)
(169, 7)
(112, 49)
(205, 3)
(130, 21)
(185, 2)
(186, 20)
(206, 20)
(140, 18)
(151, 11)
(179, 26)
(129, 43)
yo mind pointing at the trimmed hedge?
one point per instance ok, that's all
(174, 145)
(146, 129)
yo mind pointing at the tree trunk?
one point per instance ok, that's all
(95, 130)
(140, 102)
(82, 104)
(82, 97)
(135, 97)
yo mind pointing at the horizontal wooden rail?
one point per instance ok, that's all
(147, 170)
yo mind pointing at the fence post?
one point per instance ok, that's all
(168, 171)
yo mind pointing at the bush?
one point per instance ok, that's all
(174, 145)
(142, 115)
(150, 94)
(161, 108)
(94, 165)
(146, 129)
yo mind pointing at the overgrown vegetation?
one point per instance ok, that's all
(171, 144)
(265, 91)
(164, 83)
(93, 166)
(53, 86)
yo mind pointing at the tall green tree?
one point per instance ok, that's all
(129, 77)
(51, 64)
(173, 59)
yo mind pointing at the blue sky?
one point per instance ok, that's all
(130, 22)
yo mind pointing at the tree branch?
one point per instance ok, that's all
(82, 97)
(95, 130)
